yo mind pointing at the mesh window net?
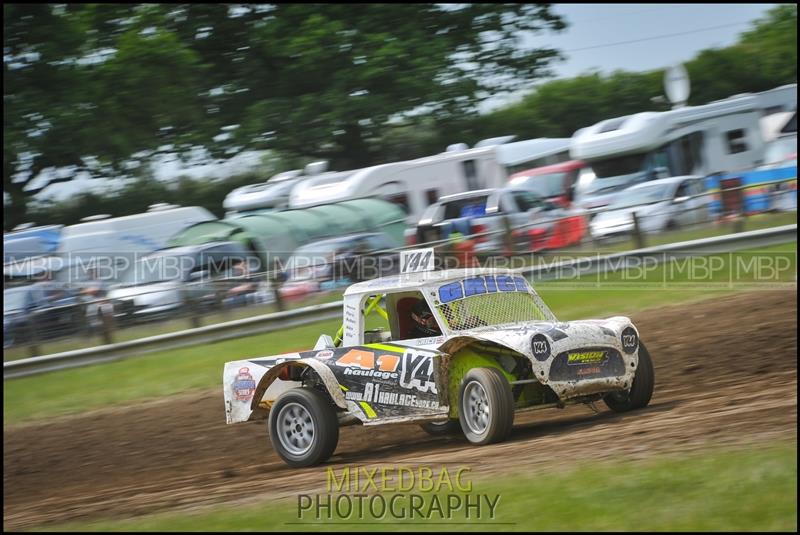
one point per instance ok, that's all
(493, 309)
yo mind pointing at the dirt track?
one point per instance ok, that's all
(726, 372)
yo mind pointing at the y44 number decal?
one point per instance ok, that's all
(416, 260)
(416, 372)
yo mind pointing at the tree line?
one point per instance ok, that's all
(103, 89)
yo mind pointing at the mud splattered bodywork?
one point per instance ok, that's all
(375, 383)
(488, 318)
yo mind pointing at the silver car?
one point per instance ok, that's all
(163, 282)
(659, 205)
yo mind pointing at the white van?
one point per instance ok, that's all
(112, 244)
(416, 184)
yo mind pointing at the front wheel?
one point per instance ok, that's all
(486, 406)
(303, 427)
(641, 390)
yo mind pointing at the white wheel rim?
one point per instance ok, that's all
(295, 428)
(475, 405)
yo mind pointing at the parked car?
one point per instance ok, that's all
(659, 205)
(328, 264)
(39, 311)
(169, 279)
(477, 212)
(780, 152)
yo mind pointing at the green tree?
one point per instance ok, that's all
(560, 107)
(87, 87)
(326, 80)
(92, 87)
(773, 43)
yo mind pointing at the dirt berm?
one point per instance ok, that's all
(726, 373)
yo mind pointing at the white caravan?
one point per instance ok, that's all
(415, 184)
(274, 193)
(722, 136)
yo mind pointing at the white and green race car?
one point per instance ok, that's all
(501, 350)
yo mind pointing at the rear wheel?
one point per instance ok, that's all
(303, 427)
(641, 390)
(486, 406)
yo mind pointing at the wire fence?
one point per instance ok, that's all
(62, 312)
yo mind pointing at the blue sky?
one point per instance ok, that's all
(591, 28)
(593, 25)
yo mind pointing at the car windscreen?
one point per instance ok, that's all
(314, 259)
(547, 185)
(472, 207)
(14, 299)
(489, 300)
(644, 195)
(19, 249)
(314, 254)
(159, 268)
(621, 165)
(600, 186)
(780, 149)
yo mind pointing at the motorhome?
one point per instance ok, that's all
(416, 184)
(722, 136)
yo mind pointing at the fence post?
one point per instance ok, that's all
(191, 306)
(638, 236)
(33, 345)
(274, 277)
(196, 312)
(107, 323)
(739, 222)
(508, 236)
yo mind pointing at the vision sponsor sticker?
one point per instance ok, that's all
(244, 385)
(324, 354)
(587, 357)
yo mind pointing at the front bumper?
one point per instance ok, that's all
(589, 371)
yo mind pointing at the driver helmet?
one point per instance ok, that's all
(424, 319)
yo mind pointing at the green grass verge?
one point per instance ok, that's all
(181, 370)
(733, 490)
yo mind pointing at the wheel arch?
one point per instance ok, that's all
(464, 353)
(325, 374)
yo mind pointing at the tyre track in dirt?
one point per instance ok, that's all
(726, 374)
